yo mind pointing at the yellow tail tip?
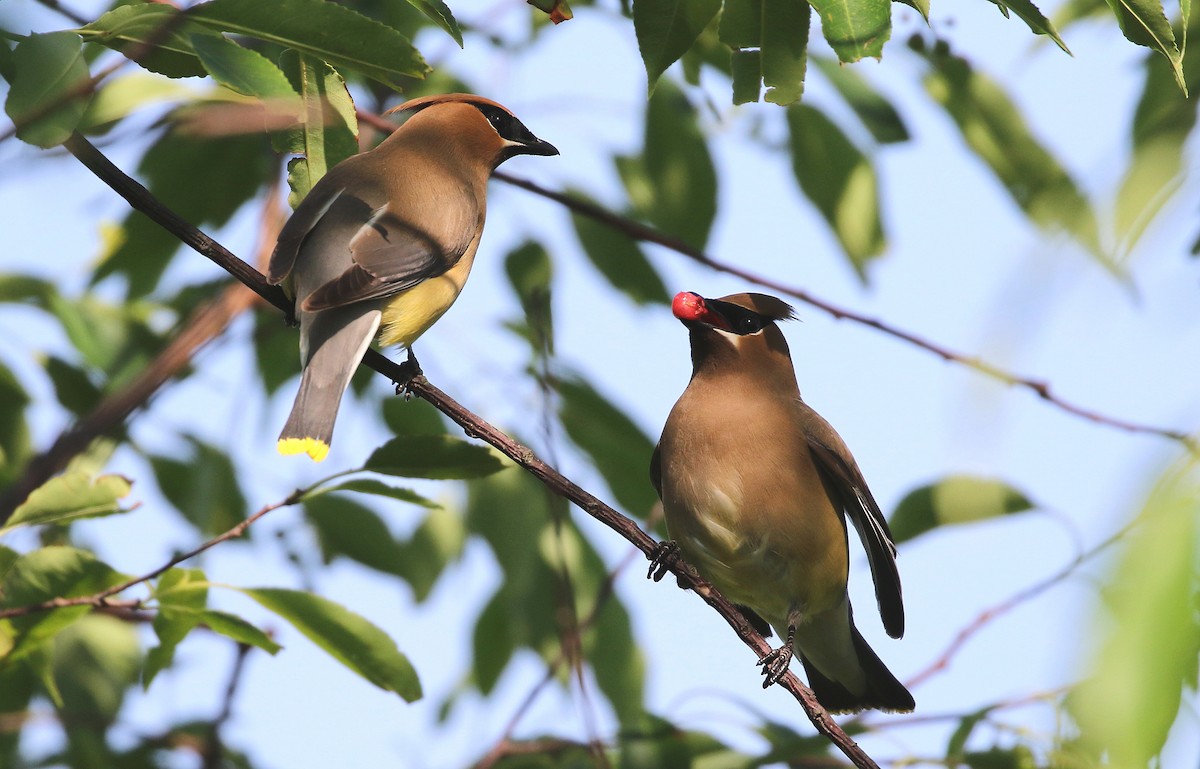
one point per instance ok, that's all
(314, 447)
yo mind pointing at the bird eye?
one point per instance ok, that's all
(749, 325)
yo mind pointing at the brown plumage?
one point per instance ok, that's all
(756, 488)
(384, 243)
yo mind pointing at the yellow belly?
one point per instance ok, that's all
(409, 314)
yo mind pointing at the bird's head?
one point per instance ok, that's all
(484, 127)
(739, 329)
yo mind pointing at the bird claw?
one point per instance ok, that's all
(409, 370)
(775, 664)
(665, 556)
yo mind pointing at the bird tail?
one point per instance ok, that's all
(882, 691)
(333, 358)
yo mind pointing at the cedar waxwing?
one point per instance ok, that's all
(384, 243)
(755, 486)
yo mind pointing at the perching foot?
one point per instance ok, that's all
(665, 555)
(409, 370)
(775, 664)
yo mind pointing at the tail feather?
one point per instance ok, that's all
(882, 692)
(333, 356)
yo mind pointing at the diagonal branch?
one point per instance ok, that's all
(141, 199)
(206, 323)
(639, 231)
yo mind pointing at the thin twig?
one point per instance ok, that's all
(213, 748)
(639, 231)
(100, 600)
(985, 617)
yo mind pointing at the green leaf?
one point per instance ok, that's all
(953, 500)
(176, 589)
(1016, 757)
(95, 661)
(840, 181)
(73, 388)
(49, 90)
(530, 274)
(746, 69)
(68, 497)
(346, 636)
(1151, 643)
(246, 72)
(855, 28)
(439, 457)
(324, 31)
(992, 127)
(15, 445)
(666, 29)
(674, 182)
(203, 487)
(1144, 22)
(620, 259)
(437, 542)
(1029, 13)
(618, 447)
(328, 133)
(377, 488)
(871, 107)
(45, 574)
(204, 179)
(17, 685)
(152, 34)
(617, 661)
(121, 96)
(439, 13)
(346, 528)
(785, 48)
(415, 417)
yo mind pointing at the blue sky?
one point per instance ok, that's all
(963, 268)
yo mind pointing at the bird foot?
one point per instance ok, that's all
(775, 664)
(409, 370)
(665, 556)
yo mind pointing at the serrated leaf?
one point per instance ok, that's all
(839, 180)
(1032, 16)
(347, 637)
(855, 29)
(1152, 640)
(620, 259)
(376, 488)
(49, 92)
(152, 34)
(246, 72)
(439, 13)
(45, 574)
(71, 496)
(746, 69)
(328, 132)
(440, 457)
(616, 445)
(666, 29)
(785, 49)
(325, 31)
(871, 107)
(1144, 22)
(954, 500)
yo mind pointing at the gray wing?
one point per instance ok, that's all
(848, 489)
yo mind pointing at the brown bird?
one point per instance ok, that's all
(756, 488)
(384, 242)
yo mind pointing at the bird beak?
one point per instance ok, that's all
(691, 308)
(537, 147)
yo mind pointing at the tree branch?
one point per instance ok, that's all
(639, 231)
(100, 600)
(141, 199)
